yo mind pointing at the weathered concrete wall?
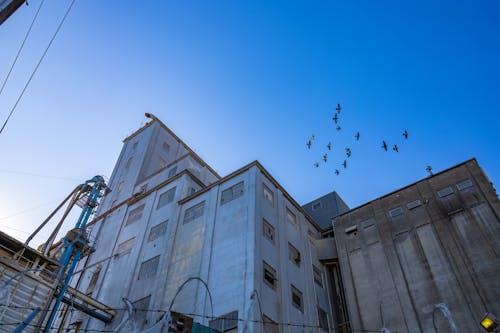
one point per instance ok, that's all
(399, 259)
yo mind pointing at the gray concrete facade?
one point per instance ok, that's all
(171, 217)
(435, 241)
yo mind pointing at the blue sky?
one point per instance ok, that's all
(246, 80)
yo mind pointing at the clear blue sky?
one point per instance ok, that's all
(246, 80)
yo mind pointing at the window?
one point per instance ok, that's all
(165, 198)
(194, 212)
(268, 230)
(191, 191)
(270, 326)
(413, 204)
(129, 162)
(322, 319)
(135, 214)
(165, 147)
(293, 254)
(225, 323)
(464, 185)
(149, 268)
(398, 211)
(143, 188)
(316, 205)
(113, 203)
(352, 230)
(172, 172)
(125, 247)
(161, 162)
(297, 299)
(445, 192)
(269, 275)
(290, 217)
(318, 276)
(141, 307)
(268, 194)
(135, 144)
(93, 280)
(120, 187)
(232, 193)
(157, 231)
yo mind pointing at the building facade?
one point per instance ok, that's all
(171, 217)
(422, 254)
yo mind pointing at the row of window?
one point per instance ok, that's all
(269, 275)
(461, 186)
(154, 233)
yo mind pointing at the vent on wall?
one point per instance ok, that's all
(463, 185)
(444, 192)
(414, 204)
(395, 212)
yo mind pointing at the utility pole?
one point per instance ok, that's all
(8, 7)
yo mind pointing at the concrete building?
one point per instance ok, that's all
(171, 217)
(410, 256)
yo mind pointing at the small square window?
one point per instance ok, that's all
(135, 215)
(231, 193)
(294, 255)
(125, 247)
(157, 231)
(297, 299)
(463, 185)
(161, 162)
(165, 147)
(268, 231)
(149, 268)
(270, 326)
(322, 319)
(129, 162)
(268, 194)
(291, 218)
(194, 212)
(318, 276)
(141, 312)
(191, 191)
(395, 212)
(414, 204)
(225, 323)
(445, 192)
(316, 205)
(166, 198)
(172, 172)
(269, 275)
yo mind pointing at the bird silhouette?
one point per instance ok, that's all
(336, 118)
(338, 128)
(357, 136)
(345, 164)
(337, 172)
(316, 164)
(308, 144)
(348, 152)
(329, 146)
(405, 134)
(325, 157)
(313, 137)
(384, 145)
(395, 148)
(338, 108)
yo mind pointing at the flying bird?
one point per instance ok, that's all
(325, 157)
(345, 164)
(316, 164)
(395, 148)
(338, 128)
(405, 134)
(308, 144)
(337, 172)
(329, 146)
(357, 136)
(348, 152)
(313, 137)
(384, 145)
(338, 108)
(336, 118)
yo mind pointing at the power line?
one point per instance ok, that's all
(37, 65)
(27, 210)
(37, 175)
(21, 47)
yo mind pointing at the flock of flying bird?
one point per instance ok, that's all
(348, 151)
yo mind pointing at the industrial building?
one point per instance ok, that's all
(426, 257)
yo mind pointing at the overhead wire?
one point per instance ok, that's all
(38, 175)
(37, 65)
(21, 47)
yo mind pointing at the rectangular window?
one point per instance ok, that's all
(398, 211)
(165, 147)
(157, 231)
(316, 205)
(268, 194)
(232, 193)
(294, 254)
(291, 218)
(129, 162)
(464, 185)
(149, 268)
(126, 246)
(172, 172)
(413, 204)
(268, 230)
(270, 326)
(161, 162)
(445, 192)
(141, 307)
(269, 275)
(166, 197)
(322, 319)
(191, 191)
(318, 276)
(225, 323)
(135, 215)
(120, 187)
(194, 212)
(93, 280)
(297, 299)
